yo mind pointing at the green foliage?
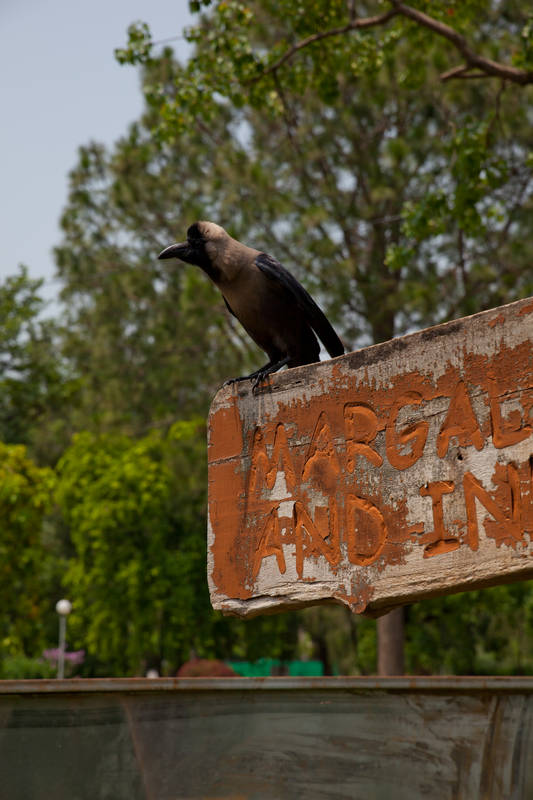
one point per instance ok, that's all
(487, 632)
(135, 577)
(245, 51)
(345, 643)
(414, 194)
(149, 337)
(524, 57)
(21, 667)
(139, 47)
(34, 383)
(28, 569)
(136, 513)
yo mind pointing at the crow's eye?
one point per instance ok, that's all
(194, 235)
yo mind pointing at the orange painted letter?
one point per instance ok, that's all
(505, 432)
(505, 527)
(321, 464)
(460, 422)
(414, 435)
(439, 540)
(270, 544)
(366, 532)
(310, 539)
(361, 427)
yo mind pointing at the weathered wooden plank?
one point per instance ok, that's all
(407, 739)
(401, 471)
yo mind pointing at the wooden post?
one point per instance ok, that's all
(390, 643)
(393, 473)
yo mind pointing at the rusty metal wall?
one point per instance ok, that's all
(274, 738)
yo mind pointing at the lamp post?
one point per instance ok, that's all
(63, 608)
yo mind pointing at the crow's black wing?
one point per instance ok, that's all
(273, 270)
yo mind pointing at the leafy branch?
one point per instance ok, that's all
(352, 25)
(485, 67)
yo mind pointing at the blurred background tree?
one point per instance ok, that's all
(29, 564)
(397, 191)
(36, 383)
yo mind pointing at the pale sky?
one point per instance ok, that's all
(61, 87)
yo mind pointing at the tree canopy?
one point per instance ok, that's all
(413, 187)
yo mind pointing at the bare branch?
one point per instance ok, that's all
(455, 72)
(463, 75)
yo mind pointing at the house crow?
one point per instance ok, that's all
(273, 308)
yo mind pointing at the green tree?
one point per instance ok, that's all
(135, 510)
(486, 632)
(242, 48)
(29, 567)
(134, 579)
(151, 338)
(410, 194)
(34, 381)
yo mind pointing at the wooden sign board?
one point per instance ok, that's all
(397, 472)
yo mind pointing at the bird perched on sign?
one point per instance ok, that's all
(273, 308)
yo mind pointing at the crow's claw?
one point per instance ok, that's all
(259, 380)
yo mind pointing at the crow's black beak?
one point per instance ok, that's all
(181, 251)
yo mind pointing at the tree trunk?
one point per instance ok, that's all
(390, 643)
